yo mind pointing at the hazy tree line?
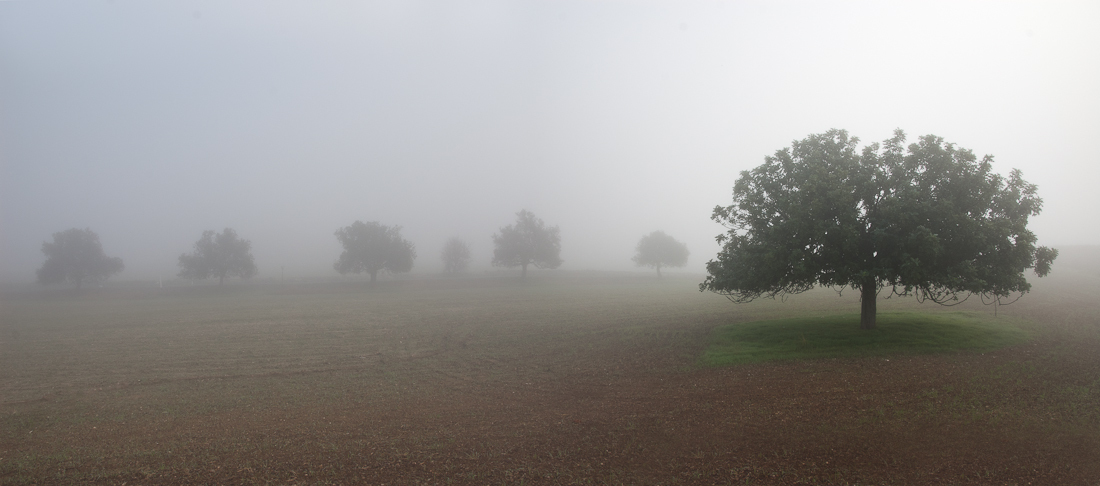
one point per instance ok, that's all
(76, 255)
(927, 219)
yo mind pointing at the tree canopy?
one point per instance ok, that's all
(527, 242)
(455, 255)
(76, 256)
(928, 219)
(218, 255)
(658, 249)
(372, 247)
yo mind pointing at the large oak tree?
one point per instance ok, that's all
(76, 255)
(928, 219)
(527, 242)
(373, 247)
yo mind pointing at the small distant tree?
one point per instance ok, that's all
(527, 242)
(218, 255)
(75, 255)
(658, 249)
(371, 247)
(456, 255)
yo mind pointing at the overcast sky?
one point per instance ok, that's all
(150, 122)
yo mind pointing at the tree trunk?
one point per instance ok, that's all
(523, 274)
(373, 276)
(221, 279)
(868, 296)
(658, 272)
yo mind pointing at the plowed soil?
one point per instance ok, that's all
(581, 379)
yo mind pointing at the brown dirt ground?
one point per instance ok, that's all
(608, 414)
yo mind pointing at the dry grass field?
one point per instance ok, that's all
(569, 378)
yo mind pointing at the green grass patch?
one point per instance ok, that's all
(839, 336)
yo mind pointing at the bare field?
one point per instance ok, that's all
(566, 379)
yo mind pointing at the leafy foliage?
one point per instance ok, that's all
(929, 220)
(372, 247)
(76, 255)
(527, 242)
(658, 249)
(456, 255)
(218, 255)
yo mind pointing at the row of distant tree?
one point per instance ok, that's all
(928, 219)
(76, 255)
